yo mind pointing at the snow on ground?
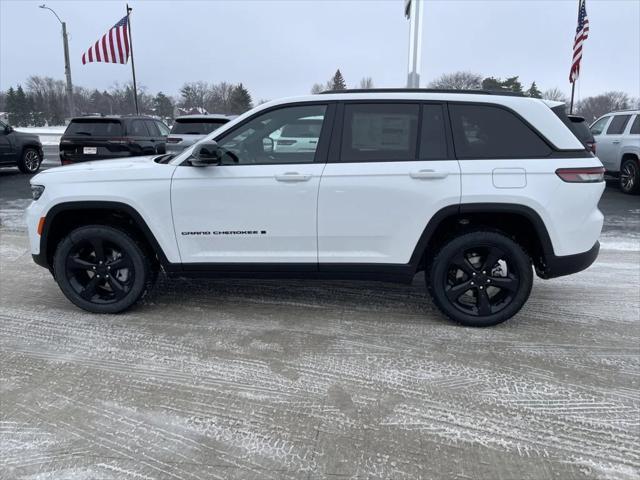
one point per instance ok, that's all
(48, 135)
(224, 379)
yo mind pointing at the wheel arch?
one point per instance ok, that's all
(518, 221)
(64, 217)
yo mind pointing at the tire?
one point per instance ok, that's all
(630, 176)
(84, 264)
(496, 270)
(30, 161)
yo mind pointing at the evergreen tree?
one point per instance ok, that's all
(513, 84)
(23, 112)
(12, 108)
(163, 106)
(338, 82)
(240, 100)
(533, 91)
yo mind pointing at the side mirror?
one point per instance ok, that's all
(267, 145)
(8, 129)
(205, 154)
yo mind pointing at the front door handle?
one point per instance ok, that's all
(292, 177)
(616, 142)
(428, 175)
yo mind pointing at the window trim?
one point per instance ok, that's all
(324, 140)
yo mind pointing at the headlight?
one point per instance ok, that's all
(36, 191)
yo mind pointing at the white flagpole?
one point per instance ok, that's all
(413, 10)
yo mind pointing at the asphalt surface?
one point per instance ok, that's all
(307, 379)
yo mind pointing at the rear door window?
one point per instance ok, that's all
(618, 124)
(94, 128)
(635, 128)
(153, 128)
(433, 135)
(379, 132)
(485, 131)
(137, 128)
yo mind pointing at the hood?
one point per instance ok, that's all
(126, 169)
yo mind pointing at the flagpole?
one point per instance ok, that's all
(573, 89)
(133, 65)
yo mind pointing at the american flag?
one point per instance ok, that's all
(582, 33)
(113, 47)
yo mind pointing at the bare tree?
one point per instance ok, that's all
(317, 88)
(555, 94)
(457, 81)
(593, 107)
(366, 83)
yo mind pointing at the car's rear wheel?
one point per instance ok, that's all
(30, 161)
(480, 278)
(630, 176)
(102, 269)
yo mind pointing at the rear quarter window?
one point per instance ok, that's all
(486, 132)
(95, 128)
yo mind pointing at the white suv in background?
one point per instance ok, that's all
(617, 136)
(474, 189)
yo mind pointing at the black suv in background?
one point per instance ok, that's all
(105, 137)
(23, 150)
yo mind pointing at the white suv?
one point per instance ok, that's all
(472, 188)
(617, 136)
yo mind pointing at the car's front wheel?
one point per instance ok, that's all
(102, 269)
(630, 176)
(30, 161)
(480, 278)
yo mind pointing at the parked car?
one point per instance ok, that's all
(475, 189)
(299, 136)
(23, 150)
(107, 137)
(618, 138)
(190, 129)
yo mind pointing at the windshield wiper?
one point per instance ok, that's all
(82, 133)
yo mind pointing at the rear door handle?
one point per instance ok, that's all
(428, 175)
(616, 141)
(292, 177)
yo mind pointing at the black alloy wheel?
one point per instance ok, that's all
(480, 278)
(102, 269)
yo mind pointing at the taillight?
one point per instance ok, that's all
(173, 140)
(581, 175)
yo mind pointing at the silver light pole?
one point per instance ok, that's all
(67, 66)
(413, 11)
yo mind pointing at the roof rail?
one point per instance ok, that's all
(508, 93)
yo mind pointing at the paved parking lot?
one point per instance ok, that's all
(291, 379)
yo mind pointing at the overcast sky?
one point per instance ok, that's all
(280, 48)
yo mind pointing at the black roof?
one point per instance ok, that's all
(507, 93)
(110, 117)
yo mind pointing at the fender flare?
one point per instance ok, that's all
(461, 209)
(138, 220)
